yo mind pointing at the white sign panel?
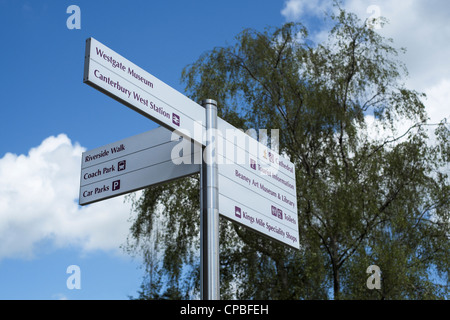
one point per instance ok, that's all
(257, 187)
(132, 164)
(124, 81)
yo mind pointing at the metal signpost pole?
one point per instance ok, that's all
(209, 211)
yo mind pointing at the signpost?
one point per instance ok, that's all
(241, 179)
(132, 164)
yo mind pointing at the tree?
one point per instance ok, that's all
(368, 192)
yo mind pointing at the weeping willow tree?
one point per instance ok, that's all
(372, 187)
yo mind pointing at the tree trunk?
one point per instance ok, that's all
(335, 266)
(336, 283)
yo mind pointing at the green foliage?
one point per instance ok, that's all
(365, 196)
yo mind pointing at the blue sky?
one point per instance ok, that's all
(50, 117)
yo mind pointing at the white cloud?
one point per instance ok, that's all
(438, 101)
(422, 28)
(295, 9)
(39, 202)
(419, 26)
